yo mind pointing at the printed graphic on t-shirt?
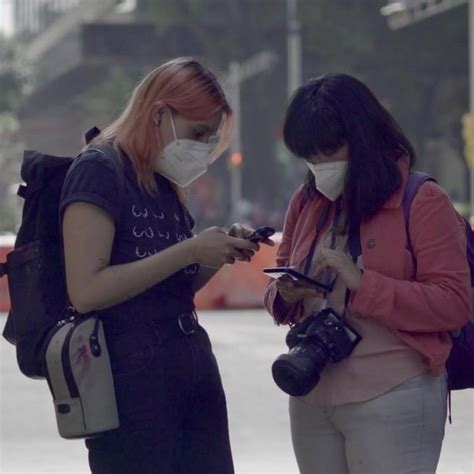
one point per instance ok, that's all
(155, 229)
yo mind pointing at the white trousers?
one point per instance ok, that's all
(400, 431)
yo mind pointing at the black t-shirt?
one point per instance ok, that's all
(144, 225)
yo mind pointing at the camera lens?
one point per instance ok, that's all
(297, 372)
(313, 342)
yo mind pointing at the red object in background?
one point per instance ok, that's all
(236, 159)
(241, 285)
(237, 286)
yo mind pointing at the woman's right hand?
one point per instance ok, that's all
(213, 247)
(293, 293)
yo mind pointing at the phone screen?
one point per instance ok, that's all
(297, 277)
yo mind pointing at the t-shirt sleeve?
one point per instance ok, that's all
(92, 179)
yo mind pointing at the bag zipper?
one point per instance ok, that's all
(96, 350)
(66, 361)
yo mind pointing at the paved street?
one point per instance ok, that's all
(245, 343)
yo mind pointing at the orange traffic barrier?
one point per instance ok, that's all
(240, 285)
(236, 286)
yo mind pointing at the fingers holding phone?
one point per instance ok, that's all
(213, 248)
(260, 235)
(293, 292)
(342, 265)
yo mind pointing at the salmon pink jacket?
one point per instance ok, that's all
(421, 312)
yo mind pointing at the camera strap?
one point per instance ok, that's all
(353, 241)
(353, 244)
(323, 217)
(355, 249)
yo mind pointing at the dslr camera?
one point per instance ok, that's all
(321, 337)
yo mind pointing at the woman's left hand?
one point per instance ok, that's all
(242, 232)
(239, 231)
(342, 265)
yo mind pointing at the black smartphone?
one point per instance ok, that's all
(260, 234)
(297, 277)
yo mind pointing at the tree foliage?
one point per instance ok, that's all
(420, 72)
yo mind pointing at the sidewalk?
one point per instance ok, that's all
(245, 343)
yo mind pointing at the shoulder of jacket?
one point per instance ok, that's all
(430, 192)
(298, 197)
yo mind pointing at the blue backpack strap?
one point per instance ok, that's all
(415, 180)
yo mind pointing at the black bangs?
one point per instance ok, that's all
(312, 127)
(337, 109)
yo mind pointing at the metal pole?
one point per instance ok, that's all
(236, 145)
(294, 46)
(471, 95)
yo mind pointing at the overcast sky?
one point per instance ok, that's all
(6, 23)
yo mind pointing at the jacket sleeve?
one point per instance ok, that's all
(273, 301)
(440, 297)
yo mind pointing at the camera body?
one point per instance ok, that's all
(320, 338)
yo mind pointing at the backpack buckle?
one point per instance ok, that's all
(22, 191)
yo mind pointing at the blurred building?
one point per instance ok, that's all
(86, 55)
(71, 45)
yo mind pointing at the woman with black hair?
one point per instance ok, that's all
(382, 408)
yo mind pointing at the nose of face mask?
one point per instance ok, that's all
(183, 161)
(329, 178)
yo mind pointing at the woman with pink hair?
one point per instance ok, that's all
(131, 256)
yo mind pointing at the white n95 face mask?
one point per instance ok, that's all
(183, 160)
(329, 177)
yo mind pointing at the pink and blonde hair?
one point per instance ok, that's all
(188, 88)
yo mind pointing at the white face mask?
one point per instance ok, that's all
(183, 160)
(329, 177)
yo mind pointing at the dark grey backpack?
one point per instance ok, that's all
(34, 268)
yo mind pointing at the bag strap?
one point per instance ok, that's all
(91, 134)
(415, 180)
(323, 217)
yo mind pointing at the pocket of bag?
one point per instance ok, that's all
(37, 288)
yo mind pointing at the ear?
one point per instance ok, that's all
(157, 116)
(158, 112)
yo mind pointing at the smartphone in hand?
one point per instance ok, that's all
(297, 277)
(260, 234)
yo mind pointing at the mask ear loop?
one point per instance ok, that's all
(172, 125)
